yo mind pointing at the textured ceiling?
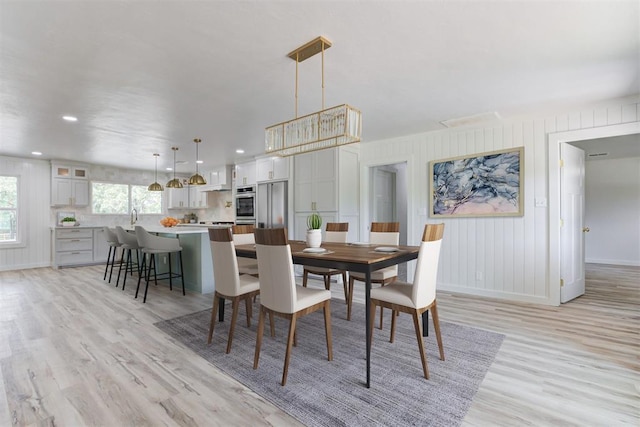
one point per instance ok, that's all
(143, 76)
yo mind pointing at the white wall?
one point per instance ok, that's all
(612, 211)
(34, 195)
(504, 257)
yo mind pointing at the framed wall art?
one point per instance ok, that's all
(485, 184)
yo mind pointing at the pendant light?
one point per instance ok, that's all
(174, 183)
(156, 185)
(197, 179)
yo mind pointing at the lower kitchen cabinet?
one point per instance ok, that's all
(75, 246)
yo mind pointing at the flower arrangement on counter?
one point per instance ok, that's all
(169, 221)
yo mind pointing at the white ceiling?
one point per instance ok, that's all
(143, 76)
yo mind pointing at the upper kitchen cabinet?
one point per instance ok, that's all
(327, 181)
(246, 174)
(219, 179)
(69, 185)
(272, 169)
(178, 198)
(197, 198)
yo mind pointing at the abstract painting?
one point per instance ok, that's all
(486, 184)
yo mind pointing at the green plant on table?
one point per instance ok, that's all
(314, 221)
(68, 219)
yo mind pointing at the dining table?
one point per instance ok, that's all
(360, 257)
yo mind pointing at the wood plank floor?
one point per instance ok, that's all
(77, 351)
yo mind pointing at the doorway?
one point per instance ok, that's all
(388, 197)
(555, 219)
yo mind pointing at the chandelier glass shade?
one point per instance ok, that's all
(175, 182)
(327, 128)
(197, 179)
(156, 186)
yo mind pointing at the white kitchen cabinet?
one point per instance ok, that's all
(221, 176)
(327, 181)
(245, 174)
(100, 245)
(178, 198)
(73, 246)
(316, 181)
(272, 169)
(197, 198)
(69, 185)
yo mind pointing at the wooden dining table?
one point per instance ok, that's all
(362, 258)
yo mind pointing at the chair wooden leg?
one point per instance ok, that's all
(350, 298)
(256, 357)
(416, 324)
(393, 326)
(344, 285)
(247, 304)
(327, 329)
(292, 331)
(305, 275)
(272, 325)
(234, 319)
(214, 313)
(436, 327)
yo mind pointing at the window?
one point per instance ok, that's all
(145, 201)
(8, 209)
(120, 199)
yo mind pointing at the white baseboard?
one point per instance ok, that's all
(635, 263)
(495, 294)
(24, 266)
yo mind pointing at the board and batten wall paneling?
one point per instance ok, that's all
(503, 257)
(35, 191)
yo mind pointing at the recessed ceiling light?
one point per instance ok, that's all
(240, 151)
(70, 118)
(169, 169)
(36, 153)
(199, 162)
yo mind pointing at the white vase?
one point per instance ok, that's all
(68, 224)
(314, 238)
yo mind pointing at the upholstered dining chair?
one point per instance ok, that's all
(243, 235)
(153, 245)
(417, 297)
(229, 283)
(279, 295)
(128, 243)
(112, 240)
(381, 233)
(336, 232)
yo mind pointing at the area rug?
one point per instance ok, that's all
(323, 393)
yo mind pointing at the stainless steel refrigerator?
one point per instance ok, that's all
(272, 205)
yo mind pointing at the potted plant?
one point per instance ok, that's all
(314, 231)
(68, 221)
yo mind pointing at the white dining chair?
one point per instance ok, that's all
(243, 235)
(336, 232)
(417, 297)
(381, 233)
(229, 284)
(279, 294)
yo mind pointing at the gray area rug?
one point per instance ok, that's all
(323, 393)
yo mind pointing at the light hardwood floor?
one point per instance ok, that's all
(76, 351)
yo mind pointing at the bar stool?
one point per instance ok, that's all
(128, 242)
(152, 245)
(114, 244)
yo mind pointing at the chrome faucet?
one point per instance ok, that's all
(134, 219)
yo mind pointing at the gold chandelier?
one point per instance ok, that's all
(331, 127)
(197, 179)
(175, 182)
(156, 186)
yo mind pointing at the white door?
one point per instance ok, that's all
(572, 226)
(384, 196)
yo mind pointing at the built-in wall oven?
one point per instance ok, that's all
(246, 205)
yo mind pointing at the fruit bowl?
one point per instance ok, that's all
(169, 221)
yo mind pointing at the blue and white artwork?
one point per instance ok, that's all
(488, 184)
